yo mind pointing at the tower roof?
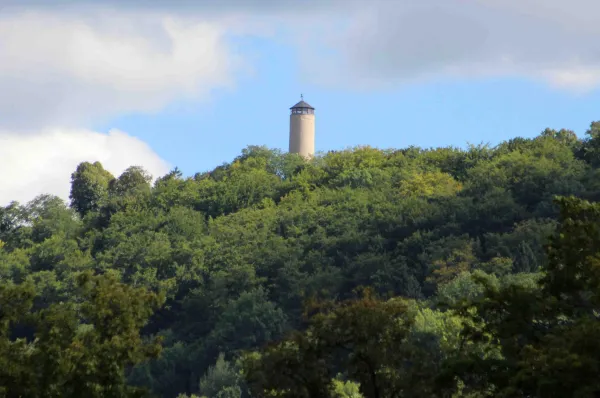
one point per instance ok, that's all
(302, 104)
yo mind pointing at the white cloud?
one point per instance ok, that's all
(62, 69)
(40, 163)
(76, 63)
(74, 68)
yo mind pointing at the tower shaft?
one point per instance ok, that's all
(302, 129)
(302, 134)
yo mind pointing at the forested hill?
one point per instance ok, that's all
(463, 297)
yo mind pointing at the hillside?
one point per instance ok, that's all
(214, 267)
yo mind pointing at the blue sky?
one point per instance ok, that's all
(197, 136)
(191, 83)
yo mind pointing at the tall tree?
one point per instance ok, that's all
(362, 338)
(89, 187)
(134, 179)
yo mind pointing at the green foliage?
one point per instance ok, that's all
(79, 348)
(133, 180)
(544, 327)
(249, 321)
(221, 381)
(429, 184)
(89, 187)
(452, 243)
(346, 389)
(356, 336)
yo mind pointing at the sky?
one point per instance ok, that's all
(189, 84)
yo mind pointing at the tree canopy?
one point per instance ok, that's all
(441, 272)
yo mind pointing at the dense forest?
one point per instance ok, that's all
(369, 273)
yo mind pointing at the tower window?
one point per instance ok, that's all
(303, 111)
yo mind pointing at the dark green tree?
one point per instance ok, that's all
(80, 348)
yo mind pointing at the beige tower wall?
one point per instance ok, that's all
(302, 134)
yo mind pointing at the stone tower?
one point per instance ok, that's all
(302, 129)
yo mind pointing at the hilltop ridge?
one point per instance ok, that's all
(231, 256)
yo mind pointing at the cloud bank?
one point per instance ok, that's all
(386, 43)
(71, 63)
(43, 162)
(73, 69)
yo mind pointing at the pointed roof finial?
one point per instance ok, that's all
(300, 104)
